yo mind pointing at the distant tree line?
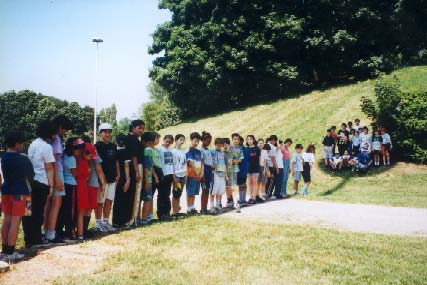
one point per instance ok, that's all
(23, 110)
(224, 54)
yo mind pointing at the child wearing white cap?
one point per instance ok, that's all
(110, 166)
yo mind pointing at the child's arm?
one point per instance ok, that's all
(202, 170)
(58, 183)
(156, 178)
(127, 184)
(117, 171)
(147, 184)
(50, 175)
(101, 176)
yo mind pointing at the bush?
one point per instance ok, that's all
(403, 114)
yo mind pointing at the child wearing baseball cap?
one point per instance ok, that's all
(111, 169)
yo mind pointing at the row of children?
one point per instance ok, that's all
(356, 147)
(56, 188)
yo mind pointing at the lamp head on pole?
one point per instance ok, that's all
(97, 40)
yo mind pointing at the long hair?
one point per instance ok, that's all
(311, 149)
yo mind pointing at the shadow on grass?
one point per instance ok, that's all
(347, 175)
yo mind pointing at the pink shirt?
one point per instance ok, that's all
(286, 153)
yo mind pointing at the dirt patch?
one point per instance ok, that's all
(51, 263)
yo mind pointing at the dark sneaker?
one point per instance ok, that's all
(251, 202)
(259, 200)
(279, 197)
(194, 212)
(58, 241)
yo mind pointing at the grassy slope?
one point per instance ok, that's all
(305, 118)
(215, 250)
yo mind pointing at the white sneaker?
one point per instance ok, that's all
(100, 228)
(14, 256)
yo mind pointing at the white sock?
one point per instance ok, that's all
(105, 220)
(98, 222)
(50, 235)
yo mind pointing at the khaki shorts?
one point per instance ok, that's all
(109, 193)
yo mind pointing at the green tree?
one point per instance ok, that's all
(160, 112)
(403, 114)
(222, 54)
(24, 109)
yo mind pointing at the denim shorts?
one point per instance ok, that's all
(193, 186)
(147, 196)
(297, 175)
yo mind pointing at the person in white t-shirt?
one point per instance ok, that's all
(272, 165)
(40, 153)
(386, 146)
(180, 173)
(308, 162)
(54, 202)
(163, 200)
(264, 171)
(336, 162)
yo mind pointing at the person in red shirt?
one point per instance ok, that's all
(83, 174)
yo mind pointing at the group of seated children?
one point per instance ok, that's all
(55, 189)
(357, 149)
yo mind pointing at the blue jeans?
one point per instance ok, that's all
(278, 178)
(286, 169)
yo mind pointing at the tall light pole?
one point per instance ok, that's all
(97, 41)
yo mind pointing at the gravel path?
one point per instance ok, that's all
(342, 216)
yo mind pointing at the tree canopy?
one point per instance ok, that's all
(23, 110)
(219, 54)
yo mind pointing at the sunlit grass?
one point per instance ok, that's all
(215, 250)
(305, 118)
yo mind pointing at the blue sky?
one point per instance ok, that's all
(46, 46)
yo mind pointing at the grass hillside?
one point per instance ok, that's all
(305, 118)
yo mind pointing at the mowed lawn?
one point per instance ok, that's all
(215, 250)
(305, 119)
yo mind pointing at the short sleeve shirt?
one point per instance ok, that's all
(148, 164)
(218, 160)
(166, 160)
(69, 162)
(58, 148)
(386, 138)
(155, 156)
(254, 155)
(271, 154)
(195, 156)
(108, 154)
(308, 157)
(207, 156)
(237, 152)
(343, 137)
(377, 142)
(93, 178)
(39, 153)
(134, 147)
(263, 157)
(180, 162)
(328, 141)
(297, 160)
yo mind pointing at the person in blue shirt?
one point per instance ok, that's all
(242, 175)
(363, 161)
(15, 192)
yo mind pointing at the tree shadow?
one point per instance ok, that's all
(347, 175)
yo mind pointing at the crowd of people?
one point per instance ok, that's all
(357, 149)
(55, 187)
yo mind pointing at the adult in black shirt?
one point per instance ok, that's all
(343, 136)
(135, 151)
